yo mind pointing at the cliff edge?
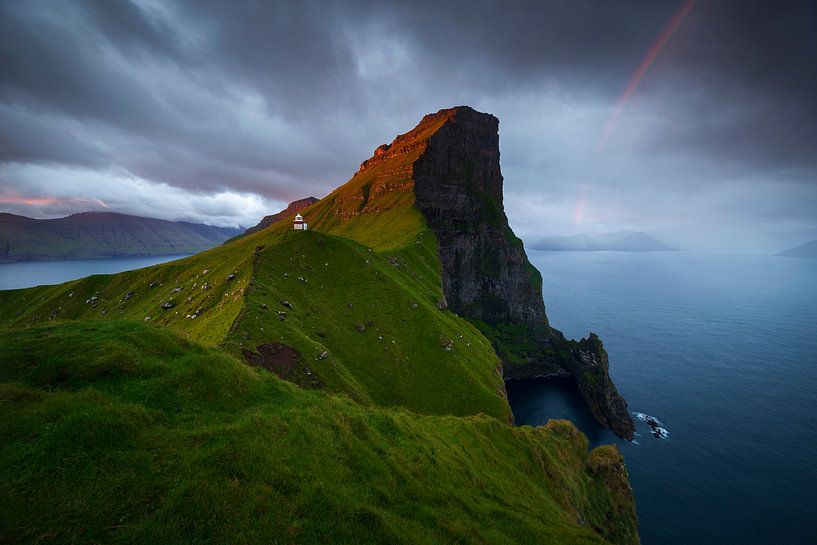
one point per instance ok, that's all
(486, 275)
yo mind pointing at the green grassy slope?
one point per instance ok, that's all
(125, 432)
(410, 353)
(368, 325)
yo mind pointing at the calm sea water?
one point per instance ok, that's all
(722, 349)
(36, 273)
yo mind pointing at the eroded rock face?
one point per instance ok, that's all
(458, 187)
(590, 368)
(485, 272)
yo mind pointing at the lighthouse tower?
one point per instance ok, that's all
(299, 224)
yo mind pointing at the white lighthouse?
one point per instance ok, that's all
(299, 224)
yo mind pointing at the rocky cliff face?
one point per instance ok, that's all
(458, 188)
(485, 272)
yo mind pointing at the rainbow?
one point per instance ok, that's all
(652, 53)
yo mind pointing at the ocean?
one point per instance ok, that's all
(36, 273)
(722, 350)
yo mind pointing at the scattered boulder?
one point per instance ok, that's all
(130, 294)
(282, 315)
(322, 356)
(206, 286)
(230, 277)
(286, 303)
(361, 328)
(263, 306)
(167, 305)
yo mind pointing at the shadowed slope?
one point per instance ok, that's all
(121, 432)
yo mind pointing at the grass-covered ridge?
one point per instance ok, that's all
(124, 432)
(363, 323)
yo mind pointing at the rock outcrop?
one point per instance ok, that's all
(458, 188)
(486, 274)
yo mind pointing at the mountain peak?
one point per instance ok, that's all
(407, 142)
(442, 181)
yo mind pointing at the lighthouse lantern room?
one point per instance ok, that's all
(299, 224)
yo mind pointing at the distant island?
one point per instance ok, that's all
(807, 250)
(623, 241)
(94, 235)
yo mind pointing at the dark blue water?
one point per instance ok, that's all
(37, 273)
(722, 348)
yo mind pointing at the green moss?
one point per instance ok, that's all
(519, 344)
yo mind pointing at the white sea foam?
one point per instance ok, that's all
(656, 426)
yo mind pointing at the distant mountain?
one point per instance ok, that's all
(807, 250)
(289, 212)
(624, 241)
(91, 235)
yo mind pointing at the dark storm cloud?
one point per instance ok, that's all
(262, 102)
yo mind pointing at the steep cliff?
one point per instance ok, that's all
(486, 275)
(458, 187)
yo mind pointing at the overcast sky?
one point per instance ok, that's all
(694, 121)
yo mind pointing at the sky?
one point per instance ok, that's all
(693, 120)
